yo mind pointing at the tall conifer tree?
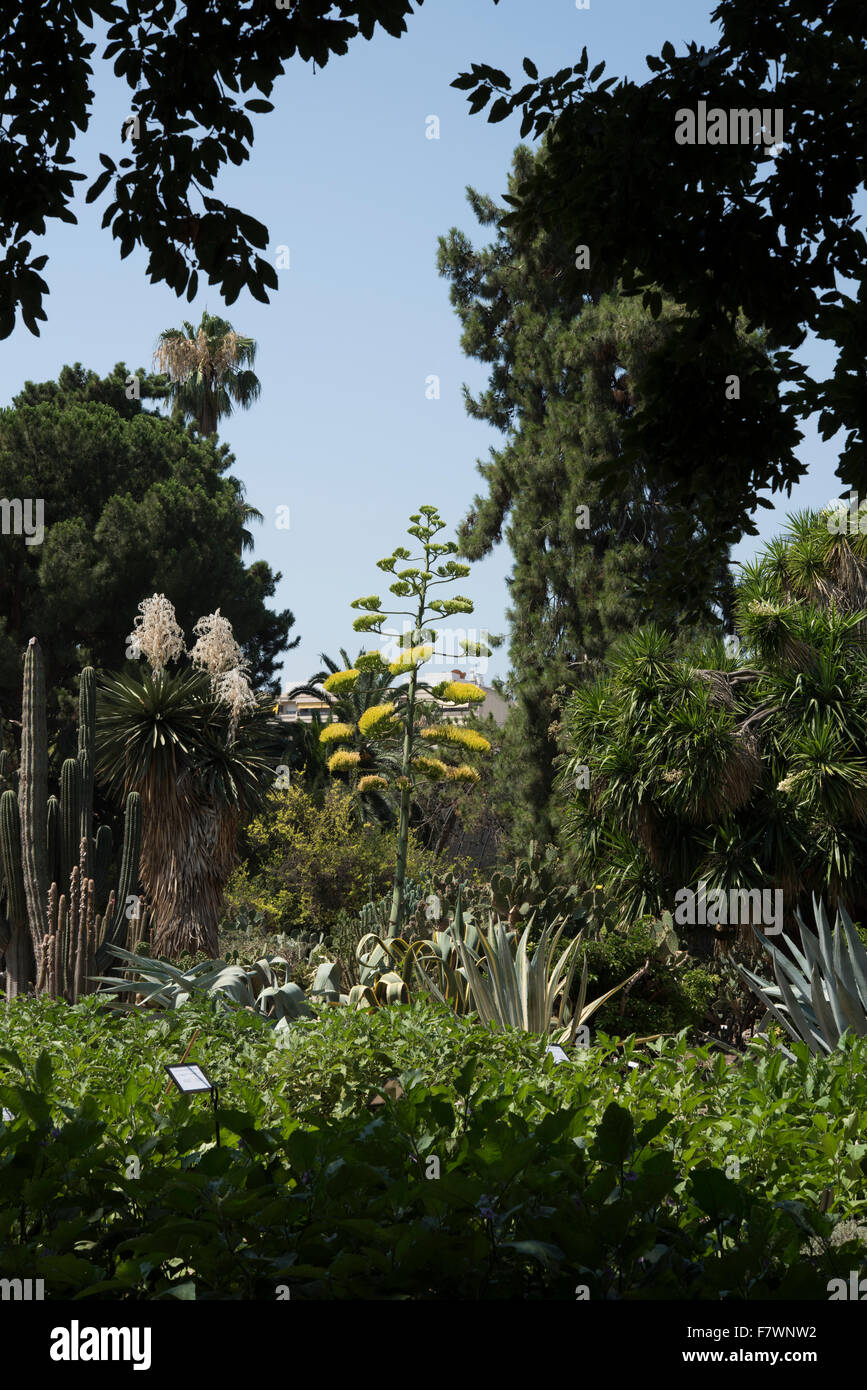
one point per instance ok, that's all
(565, 381)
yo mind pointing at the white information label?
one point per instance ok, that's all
(190, 1078)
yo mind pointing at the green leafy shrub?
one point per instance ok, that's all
(546, 1177)
(665, 999)
(307, 860)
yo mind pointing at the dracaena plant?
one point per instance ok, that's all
(400, 720)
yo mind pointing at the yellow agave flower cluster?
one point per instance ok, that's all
(414, 656)
(439, 771)
(459, 693)
(337, 733)
(341, 680)
(452, 733)
(372, 782)
(378, 721)
(343, 760)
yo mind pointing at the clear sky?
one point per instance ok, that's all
(342, 173)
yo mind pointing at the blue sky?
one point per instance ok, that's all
(343, 174)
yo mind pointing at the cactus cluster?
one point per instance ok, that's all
(534, 886)
(53, 869)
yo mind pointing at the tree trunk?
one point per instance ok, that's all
(188, 854)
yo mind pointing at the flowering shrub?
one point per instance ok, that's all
(307, 861)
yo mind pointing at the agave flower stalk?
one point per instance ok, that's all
(403, 713)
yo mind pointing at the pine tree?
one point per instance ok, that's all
(589, 564)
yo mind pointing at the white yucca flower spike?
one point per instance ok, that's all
(156, 634)
(232, 688)
(216, 649)
(217, 652)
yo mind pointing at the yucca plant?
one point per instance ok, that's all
(742, 768)
(198, 747)
(820, 990)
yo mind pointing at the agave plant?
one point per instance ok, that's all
(256, 987)
(492, 974)
(820, 992)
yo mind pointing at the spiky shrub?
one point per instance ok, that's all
(400, 717)
(492, 973)
(742, 769)
(819, 990)
(257, 987)
(199, 748)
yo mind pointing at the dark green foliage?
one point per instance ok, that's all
(725, 230)
(566, 364)
(134, 505)
(548, 1178)
(194, 80)
(664, 1000)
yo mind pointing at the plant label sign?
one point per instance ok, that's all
(189, 1079)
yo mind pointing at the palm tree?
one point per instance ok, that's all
(209, 370)
(246, 513)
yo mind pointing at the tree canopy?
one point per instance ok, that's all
(725, 228)
(134, 503)
(568, 369)
(195, 74)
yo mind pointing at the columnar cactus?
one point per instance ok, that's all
(53, 868)
(70, 817)
(33, 793)
(86, 742)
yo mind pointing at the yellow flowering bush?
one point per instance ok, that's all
(306, 858)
